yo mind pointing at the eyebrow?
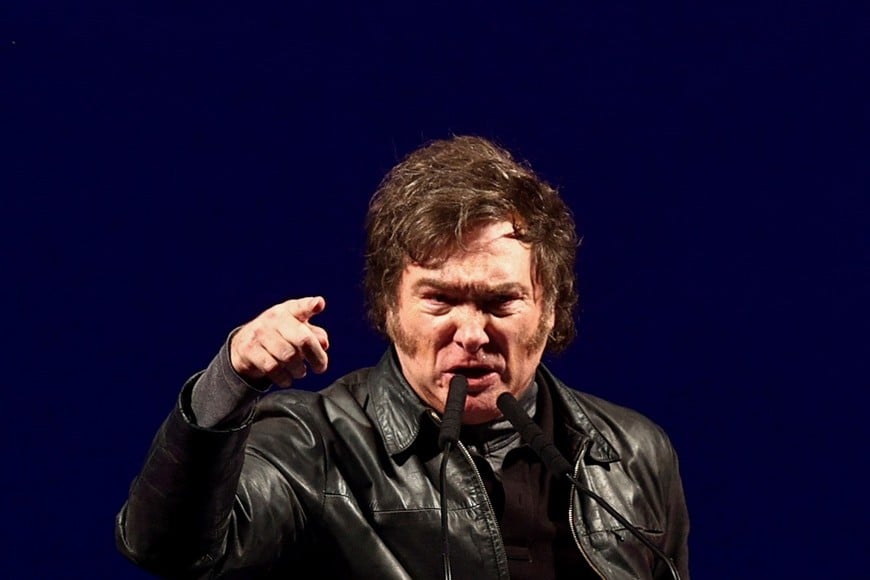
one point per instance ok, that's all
(475, 290)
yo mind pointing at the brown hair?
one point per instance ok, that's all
(426, 204)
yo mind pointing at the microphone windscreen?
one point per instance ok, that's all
(532, 434)
(451, 421)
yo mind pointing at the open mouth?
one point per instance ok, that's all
(472, 372)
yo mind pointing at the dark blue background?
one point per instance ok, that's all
(169, 171)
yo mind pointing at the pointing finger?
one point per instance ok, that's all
(304, 308)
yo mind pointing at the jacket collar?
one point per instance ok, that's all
(400, 412)
(397, 408)
(569, 410)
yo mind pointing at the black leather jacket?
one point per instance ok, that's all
(344, 482)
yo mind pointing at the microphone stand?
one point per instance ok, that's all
(445, 543)
(451, 424)
(628, 525)
(556, 463)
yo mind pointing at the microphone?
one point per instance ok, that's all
(556, 463)
(451, 423)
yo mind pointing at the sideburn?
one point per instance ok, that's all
(403, 341)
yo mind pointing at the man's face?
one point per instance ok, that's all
(480, 314)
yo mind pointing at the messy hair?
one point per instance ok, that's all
(426, 205)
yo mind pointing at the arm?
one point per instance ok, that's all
(175, 519)
(199, 499)
(678, 518)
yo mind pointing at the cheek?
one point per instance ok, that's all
(419, 335)
(438, 341)
(530, 335)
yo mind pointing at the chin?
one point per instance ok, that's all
(479, 411)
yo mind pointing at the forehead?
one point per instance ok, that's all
(490, 258)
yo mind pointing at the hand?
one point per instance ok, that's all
(279, 343)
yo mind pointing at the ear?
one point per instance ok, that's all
(550, 315)
(391, 322)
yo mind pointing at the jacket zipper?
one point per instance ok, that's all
(571, 522)
(482, 486)
(479, 478)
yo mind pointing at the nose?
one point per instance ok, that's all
(470, 332)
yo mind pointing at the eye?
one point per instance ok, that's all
(439, 301)
(502, 303)
(439, 298)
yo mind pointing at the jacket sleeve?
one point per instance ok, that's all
(203, 506)
(678, 518)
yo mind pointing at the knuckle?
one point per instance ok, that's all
(272, 313)
(253, 336)
(270, 367)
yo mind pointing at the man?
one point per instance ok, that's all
(469, 271)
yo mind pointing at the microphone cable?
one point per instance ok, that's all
(451, 423)
(556, 463)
